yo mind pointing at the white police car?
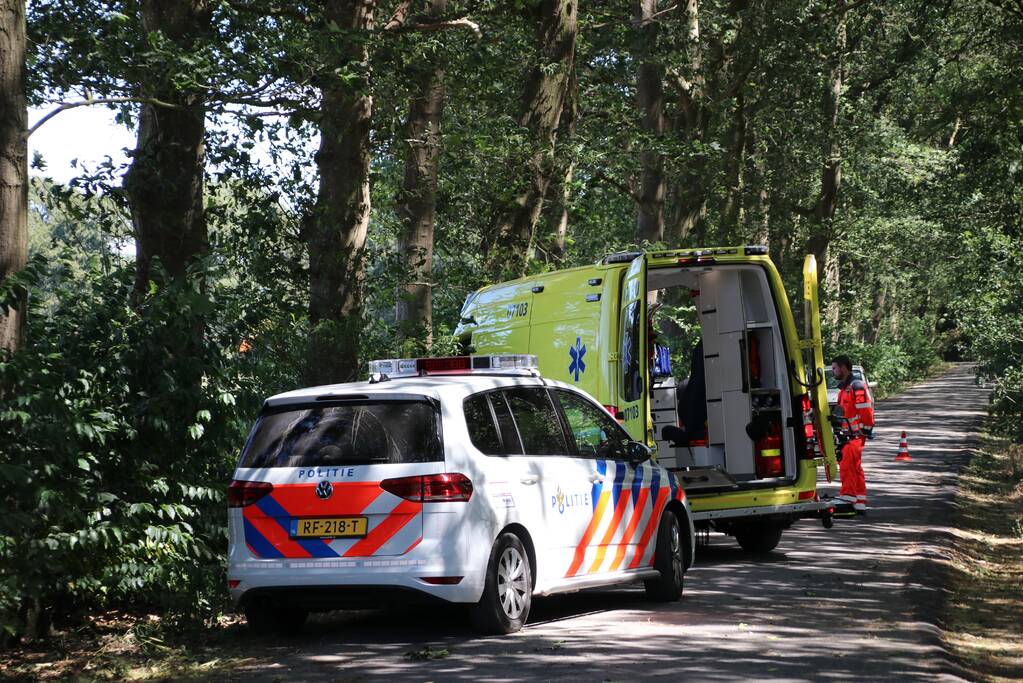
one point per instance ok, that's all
(469, 480)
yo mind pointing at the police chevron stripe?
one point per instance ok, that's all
(614, 524)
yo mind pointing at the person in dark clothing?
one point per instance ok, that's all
(692, 404)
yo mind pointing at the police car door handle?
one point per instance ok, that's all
(528, 481)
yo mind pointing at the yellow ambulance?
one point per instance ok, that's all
(696, 353)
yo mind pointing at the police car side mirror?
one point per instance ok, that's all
(637, 453)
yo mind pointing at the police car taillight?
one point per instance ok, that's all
(431, 488)
(243, 493)
(403, 367)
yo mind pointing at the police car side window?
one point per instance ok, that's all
(538, 423)
(509, 434)
(596, 434)
(482, 428)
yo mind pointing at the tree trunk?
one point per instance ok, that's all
(831, 169)
(335, 233)
(547, 90)
(13, 168)
(559, 216)
(876, 315)
(650, 100)
(417, 199)
(761, 181)
(165, 181)
(689, 195)
(732, 215)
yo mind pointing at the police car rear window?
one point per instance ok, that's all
(349, 434)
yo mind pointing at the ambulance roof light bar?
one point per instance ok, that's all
(410, 367)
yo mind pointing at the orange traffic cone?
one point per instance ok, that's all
(903, 455)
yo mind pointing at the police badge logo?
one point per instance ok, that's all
(324, 490)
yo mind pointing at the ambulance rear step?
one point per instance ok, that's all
(706, 479)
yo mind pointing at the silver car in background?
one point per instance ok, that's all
(858, 373)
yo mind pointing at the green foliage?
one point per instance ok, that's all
(123, 423)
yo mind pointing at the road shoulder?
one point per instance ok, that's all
(984, 610)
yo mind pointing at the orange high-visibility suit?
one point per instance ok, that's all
(857, 405)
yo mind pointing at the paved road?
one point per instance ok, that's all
(856, 603)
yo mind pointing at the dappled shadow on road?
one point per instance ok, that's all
(857, 602)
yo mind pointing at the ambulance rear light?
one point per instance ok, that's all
(244, 493)
(431, 488)
(405, 367)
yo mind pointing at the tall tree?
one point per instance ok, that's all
(653, 122)
(165, 181)
(831, 175)
(335, 230)
(13, 168)
(546, 93)
(417, 196)
(689, 198)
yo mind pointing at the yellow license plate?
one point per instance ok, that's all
(329, 527)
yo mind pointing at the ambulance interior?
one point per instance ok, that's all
(739, 402)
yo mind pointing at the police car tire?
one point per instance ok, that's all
(267, 620)
(489, 614)
(759, 538)
(669, 560)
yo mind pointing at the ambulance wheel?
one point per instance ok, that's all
(266, 620)
(669, 560)
(508, 591)
(758, 538)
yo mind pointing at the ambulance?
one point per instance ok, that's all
(471, 481)
(696, 352)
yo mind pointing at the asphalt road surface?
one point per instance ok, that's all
(858, 602)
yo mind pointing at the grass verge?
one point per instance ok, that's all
(984, 619)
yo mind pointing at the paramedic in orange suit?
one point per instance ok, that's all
(858, 407)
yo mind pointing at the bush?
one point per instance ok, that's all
(122, 417)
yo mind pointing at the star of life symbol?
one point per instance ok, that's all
(577, 352)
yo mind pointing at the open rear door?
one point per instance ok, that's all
(633, 356)
(813, 358)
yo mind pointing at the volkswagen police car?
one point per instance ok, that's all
(468, 480)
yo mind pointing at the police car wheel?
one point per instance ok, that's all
(669, 560)
(759, 538)
(265, 619)
(508, 591)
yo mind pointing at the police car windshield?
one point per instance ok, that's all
(350, 434)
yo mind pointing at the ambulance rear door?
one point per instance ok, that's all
(813, 355)
(633, 356)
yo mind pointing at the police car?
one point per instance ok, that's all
(468, 480)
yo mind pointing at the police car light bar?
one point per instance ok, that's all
(405, 367)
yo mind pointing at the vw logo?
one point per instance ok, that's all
(324, 490)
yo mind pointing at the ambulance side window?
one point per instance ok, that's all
(632, 378)
(595, 434)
